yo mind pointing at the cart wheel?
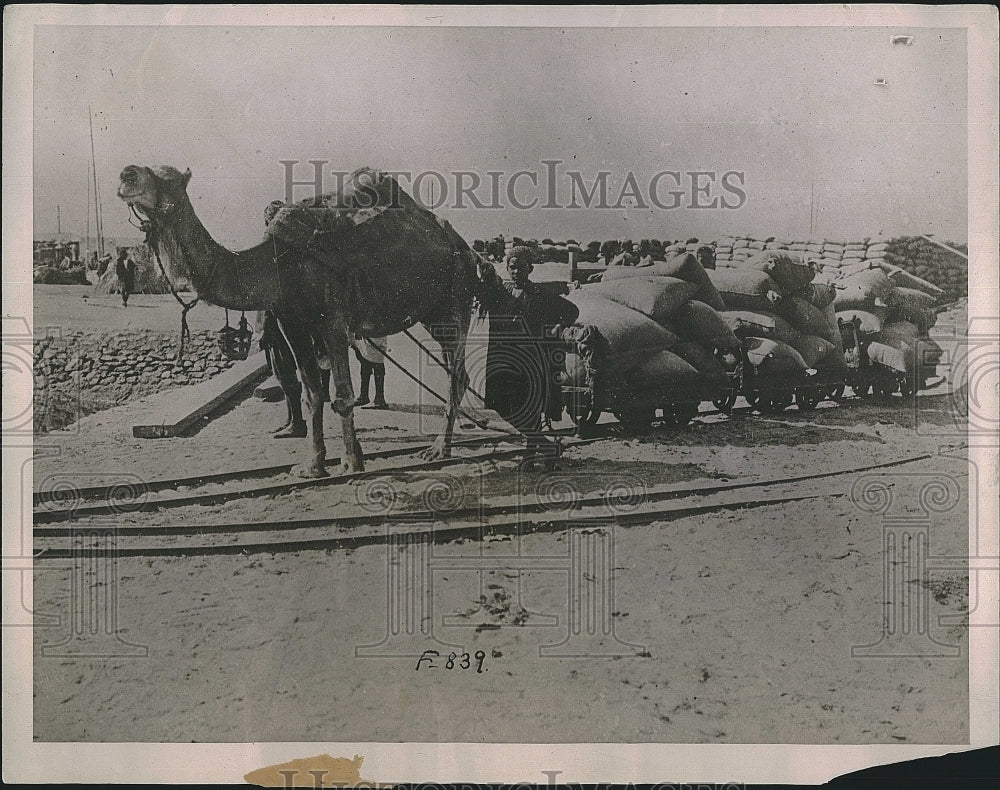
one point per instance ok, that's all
(755, 400)
(684, 412)
(837, 392)
(777, 403)
(725, 405)
(906, 389)
(807, 399)
(884, 385)
(636, 420)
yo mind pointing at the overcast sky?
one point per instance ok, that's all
(795, 110)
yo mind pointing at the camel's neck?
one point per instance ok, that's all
(245, 280)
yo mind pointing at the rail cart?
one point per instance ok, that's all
(773, 394)
(634, 408)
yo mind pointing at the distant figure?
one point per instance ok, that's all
(706, 256)
(628, 255)
(370, 353)
(125, 269)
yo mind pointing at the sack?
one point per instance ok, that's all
(864, 290)
(899, 334)
(657, 297)
(814, 349)
(830, 314)
(902, 278)
(806, 318)
(745, 289)
(909, 304)
(627, 331)
(699, 322)
(744, 323)
(818, 294)
(703, 360)
(662, 370)
(871, 320)
(896, 359)
(909, 298)
(684, 267)
(788, 270)
(575, 372)
(771, 358)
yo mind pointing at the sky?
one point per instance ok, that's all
(795, 112)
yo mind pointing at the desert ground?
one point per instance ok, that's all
(730, 626)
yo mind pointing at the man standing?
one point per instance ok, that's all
(281, 360)
(125, 269)
(521, 383)
(371, 354)
(706, 256)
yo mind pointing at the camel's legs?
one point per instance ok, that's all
(300, 341)
(335, 337)
(451, 336)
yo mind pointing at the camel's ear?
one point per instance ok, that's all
(187, 176)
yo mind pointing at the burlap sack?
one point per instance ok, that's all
(698, 322)
(656, 297)
(745, 323)
(627, 331)
(746, 289)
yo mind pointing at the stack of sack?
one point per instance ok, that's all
(894, 318)
(785, 319)
(662, 327)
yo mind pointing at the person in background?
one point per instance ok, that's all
(281, 360)
(125, 270)
(627, 256)
(706, 256)
(371, 354)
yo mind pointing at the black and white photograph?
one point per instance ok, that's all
(528, 394)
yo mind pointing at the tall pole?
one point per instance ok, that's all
(97, 195)
(87, 237)
(812, 210)
(58, 219)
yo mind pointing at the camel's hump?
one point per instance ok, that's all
(366, 187)
(359, 198)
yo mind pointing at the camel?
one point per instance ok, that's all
(367, 259)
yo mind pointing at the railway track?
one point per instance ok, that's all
(338, 532)
(64, 502)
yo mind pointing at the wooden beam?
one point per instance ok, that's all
(194, 405)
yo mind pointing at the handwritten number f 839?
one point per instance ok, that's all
(453, 661)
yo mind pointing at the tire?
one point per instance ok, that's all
(807, 399)
(683, 413)
(777, 403)
(636, 420)
(725, 405)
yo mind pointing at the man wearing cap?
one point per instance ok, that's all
(521, 382)
(706, 256)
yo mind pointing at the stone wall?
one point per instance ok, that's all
(80, 372)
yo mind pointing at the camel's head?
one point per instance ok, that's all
(153, 190)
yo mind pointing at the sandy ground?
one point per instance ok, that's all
(737, 626)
